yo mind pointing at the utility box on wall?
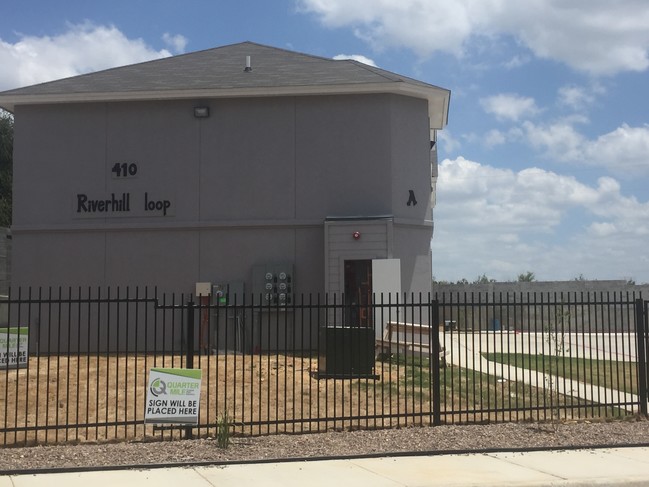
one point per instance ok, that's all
(229, 293)
(272, 327)
(275, 283)
(228, 317)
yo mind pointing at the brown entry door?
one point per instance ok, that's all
(358, 293)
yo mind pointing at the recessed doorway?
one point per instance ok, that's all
(358, 293)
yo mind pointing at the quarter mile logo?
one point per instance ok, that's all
(158, 387)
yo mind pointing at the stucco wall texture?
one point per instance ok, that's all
(210, 198)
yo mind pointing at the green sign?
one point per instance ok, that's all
(173, 396)
(13, 347)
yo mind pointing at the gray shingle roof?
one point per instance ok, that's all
(220, 72)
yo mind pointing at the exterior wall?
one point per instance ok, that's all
(343, 153)
(411, 172)
(251, 184)
(375, 242)
(411, 166)
(412, 246)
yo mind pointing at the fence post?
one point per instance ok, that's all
(189, 338)
(641, 335)
(435, 376)
(189, 352)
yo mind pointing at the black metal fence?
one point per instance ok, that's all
(307, 366)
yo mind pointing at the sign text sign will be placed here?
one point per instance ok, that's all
(13, 347)
(173, 396)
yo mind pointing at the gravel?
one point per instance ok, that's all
(330, 444)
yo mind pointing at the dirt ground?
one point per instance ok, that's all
(98, 398)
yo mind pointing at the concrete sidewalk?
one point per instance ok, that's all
(607, 467)
(466, 350)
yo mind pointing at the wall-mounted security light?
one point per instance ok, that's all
(201, 112)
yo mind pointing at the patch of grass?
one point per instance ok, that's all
(223, 431)
(470, 395)
(403, 375)
(473, 396)
(601, 373)
(471, 389)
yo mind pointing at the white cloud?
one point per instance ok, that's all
(579, 97)
(503, 222)
(423, 26)
(447, 142)
(602, 229)
(176, 43)
(509, 106)
(509, 198)
(596, 36)
(82, 48)
(356, 57)
(493, 138)
(574, 97)
(623, 150)
(559, 139)
(517, 61)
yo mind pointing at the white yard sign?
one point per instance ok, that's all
(13, 347)
(173, 396)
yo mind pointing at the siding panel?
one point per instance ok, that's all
(340, 245)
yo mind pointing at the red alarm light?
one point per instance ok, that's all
(356, 235)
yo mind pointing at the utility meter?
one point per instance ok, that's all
(274, 282)
(219, 293)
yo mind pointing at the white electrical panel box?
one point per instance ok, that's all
(203, 288)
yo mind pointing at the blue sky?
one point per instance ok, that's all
(544, 165)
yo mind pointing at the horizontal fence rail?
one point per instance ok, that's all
(75, 363)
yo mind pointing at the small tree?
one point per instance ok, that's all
(527, 277)
(555, 361)
(483, 279)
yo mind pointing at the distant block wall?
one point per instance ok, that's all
(558, 287)
(583, 306)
